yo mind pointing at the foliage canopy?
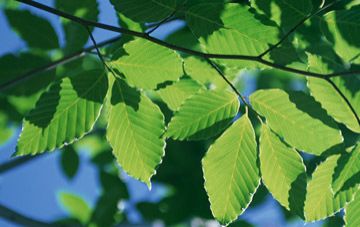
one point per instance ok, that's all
(159, 104)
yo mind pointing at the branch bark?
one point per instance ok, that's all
(175, 47)
(13, 163)
(15, 217)
(30, 74)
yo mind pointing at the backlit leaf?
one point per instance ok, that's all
(175, 94)
(347, 172)
(283, 171)
(148, 64)
(66, 112)
(320, 200)
(231, 172)
(76, 206)
(352, 212)
(297, 118)
(135, 130)
(342, 28)
(203, 115)
(333, 102)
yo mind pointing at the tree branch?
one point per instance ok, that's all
(161, 23)
(15, 162)
(28, 75)
(174, 47)
(22, 220)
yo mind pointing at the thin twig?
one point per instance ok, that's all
(15, 162)
(98, 51)
(172, 46)
(220, 72)
(28, 75)
(161, 23)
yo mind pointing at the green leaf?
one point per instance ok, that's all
(325, 61)
(352, 212)
(341, 29)
(14, 66)
(148, 64)
(203, 115)
(9, 4)
(333, 103)
(231, 172)
(6, 131)
(283, 171)
(145, 10)
(350, 88)
(175, 94)
(230, 29)
(298, 119)
(135, 130)
(75, 206)
(69, 162)
(202, 72)
(185, 38)
(36, 31)
(347, 171)
(286, 13)
(320, 200)
(76, 35)
(126, 22)
(66, 112)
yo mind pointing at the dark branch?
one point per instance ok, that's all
(21, 219)
(161, 23)
(98, 51)
(169, 45)
(28, 75)
(15, 162)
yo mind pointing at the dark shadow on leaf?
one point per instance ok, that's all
(91, 85)
(350, 34)
(307, 104)
(351, 83)
(297, 194)
(45, 107)
(123, 93)
(340, 165)
(164, 84)
(207, 17)
(211, 131)
(336, 149)
(351, 182)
